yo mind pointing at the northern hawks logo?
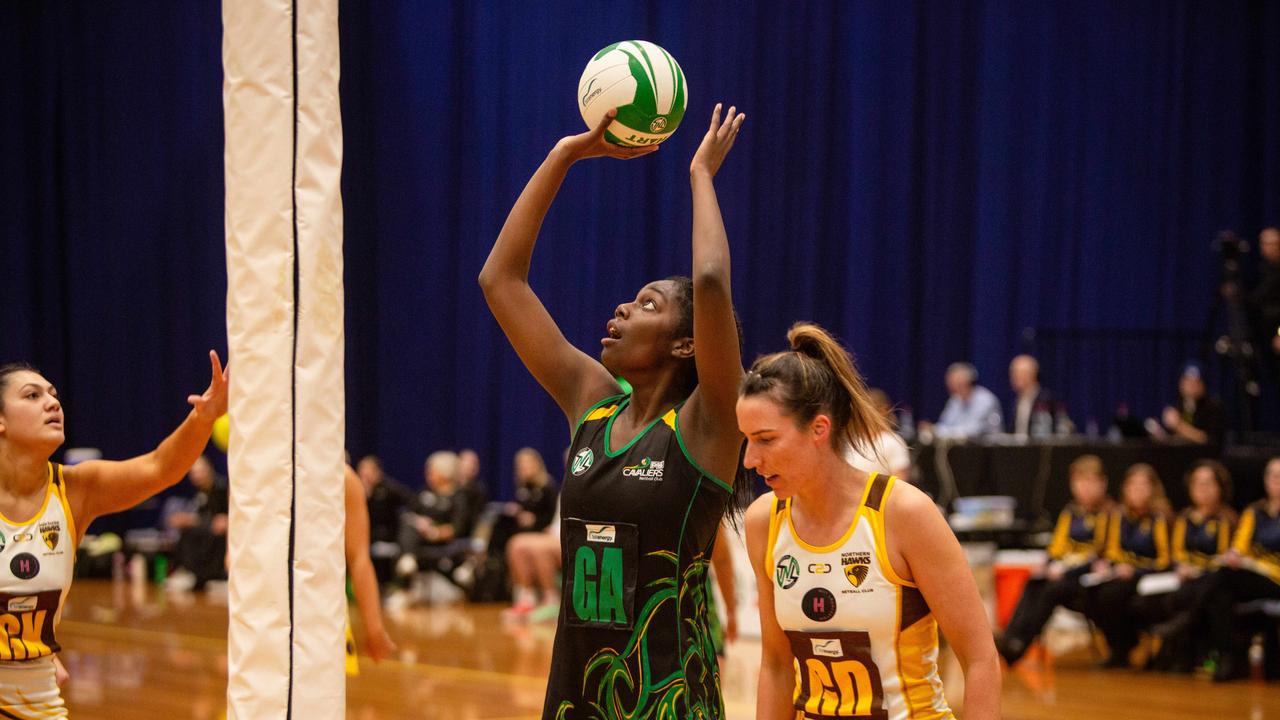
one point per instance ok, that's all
(647, 469)
(856, 566)
(582, 461)
(51, 531)
(788, 572)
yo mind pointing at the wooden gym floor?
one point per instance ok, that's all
(135, 652)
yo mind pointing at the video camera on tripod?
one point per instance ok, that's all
(1235, 345)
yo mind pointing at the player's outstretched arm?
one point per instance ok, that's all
(100, 487)
(573, 379)
(711, 408)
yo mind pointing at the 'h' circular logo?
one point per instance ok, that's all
(819, 604)
(25, 566)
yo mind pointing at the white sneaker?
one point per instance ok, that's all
(396, 601)
(407, 566)
(180, 581)
(464, 576)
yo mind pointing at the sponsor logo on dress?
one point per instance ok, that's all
(22, 604)
(582, 461)
(856, 566)
(2, 541)
(50, 532)
(788, 572)
(819, 605)
(602, 533)
(22, 537)
(827, 648)
(646, 469)
(819, 568)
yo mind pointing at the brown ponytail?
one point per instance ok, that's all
(819, 376)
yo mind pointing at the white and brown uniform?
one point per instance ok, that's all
(37, 559)
(864, 640)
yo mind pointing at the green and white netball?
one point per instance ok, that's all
(644, 82)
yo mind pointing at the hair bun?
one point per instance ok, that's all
(806, 339)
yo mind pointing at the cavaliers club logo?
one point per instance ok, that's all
(856, 566)
(788, 572)
(582, 461)
(819, 605)
(51, 532)
(646, 469)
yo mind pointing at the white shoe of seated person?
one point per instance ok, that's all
(407, 565)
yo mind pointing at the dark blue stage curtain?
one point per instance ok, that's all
(927, 179)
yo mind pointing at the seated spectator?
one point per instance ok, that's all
(536, 493)
(202, 531)
(1078, 540)
(531, 513)
(1201, 535)
(386, 500)
(533, 560)
(472, 485)
(438, 516)
(889, 453)
(1198, 418)
(1137, 544)
(1029, 397)
(971, 412)
(1251, 572)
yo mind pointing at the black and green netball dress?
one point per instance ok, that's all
(637, 527)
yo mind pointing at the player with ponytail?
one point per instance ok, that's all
(856, 572)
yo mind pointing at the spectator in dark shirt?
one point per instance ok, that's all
(535, 500)
(1029, 395)
(472, 485)
(202, 531)
(439, 514)
(1199, 417)
(524, 533)
(387, 499)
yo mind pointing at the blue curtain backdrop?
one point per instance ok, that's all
(927, 179)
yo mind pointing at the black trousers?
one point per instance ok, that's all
(1039, 597)
(1186, 648)
(1229, 588)
(1110, 607)
(203, 553)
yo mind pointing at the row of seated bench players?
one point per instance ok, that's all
(1205, 582)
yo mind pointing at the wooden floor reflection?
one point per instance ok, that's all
(139, 653)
